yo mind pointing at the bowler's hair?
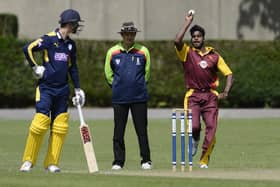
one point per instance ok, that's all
(197, 28)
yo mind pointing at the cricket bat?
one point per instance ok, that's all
(87, 143)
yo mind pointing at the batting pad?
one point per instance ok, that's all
(37, 130)
(56, 140)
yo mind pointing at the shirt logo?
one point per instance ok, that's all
(55, 44)
(70, 47)
(138, 62)
(203, 64)
(118, 61)
(61, 57)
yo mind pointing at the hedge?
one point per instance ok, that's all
(8, 25)
(255, 66)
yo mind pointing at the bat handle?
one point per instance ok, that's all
(80, 114)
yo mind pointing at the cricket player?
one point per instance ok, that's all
(201, 65)
(52, 92)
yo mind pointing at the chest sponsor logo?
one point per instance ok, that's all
(203, 64)
(61, 57)
(118, 61)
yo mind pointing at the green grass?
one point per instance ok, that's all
(248, 145)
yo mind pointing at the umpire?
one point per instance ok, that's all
(127, 71)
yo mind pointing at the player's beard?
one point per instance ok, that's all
(198, 45)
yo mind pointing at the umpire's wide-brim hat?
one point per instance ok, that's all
(128, 27)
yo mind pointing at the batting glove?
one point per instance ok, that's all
(79, 98)
(38, 71)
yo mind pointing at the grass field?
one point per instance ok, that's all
(246, 154)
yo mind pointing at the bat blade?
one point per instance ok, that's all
(88, 148)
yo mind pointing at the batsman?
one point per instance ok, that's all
(52, 92)
(201, 64)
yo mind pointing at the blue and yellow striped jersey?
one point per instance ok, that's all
(59, 59)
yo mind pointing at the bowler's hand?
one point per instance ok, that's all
(189, 16)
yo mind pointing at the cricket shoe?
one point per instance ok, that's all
(116, 167)
(203, 166)
(195, 146)
(146, 165)
(26, 166)
(53, 169)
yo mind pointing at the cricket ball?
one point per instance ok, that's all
(191, 12)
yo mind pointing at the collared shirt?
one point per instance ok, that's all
(128, 72)
(59, 59)
(201, 68)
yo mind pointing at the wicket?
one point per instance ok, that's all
(183, 113)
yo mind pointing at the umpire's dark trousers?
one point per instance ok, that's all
(139, 117)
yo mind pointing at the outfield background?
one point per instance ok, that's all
(246, 154)
(157, 19)
(107, 113)
(230, 25)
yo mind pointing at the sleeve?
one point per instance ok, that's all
(223, 67)
(36, 45)
(182, 54)
(148, 65)
(73, 69)
(109, 74)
